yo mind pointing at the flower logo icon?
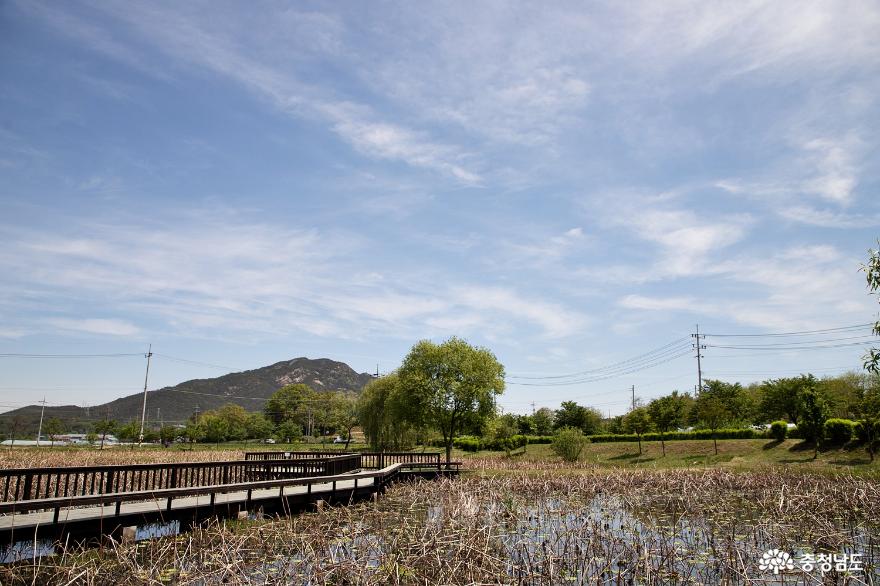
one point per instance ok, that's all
(776, 560)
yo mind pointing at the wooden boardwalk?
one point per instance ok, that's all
(86, 502)
(29, 521)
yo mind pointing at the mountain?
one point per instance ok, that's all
(250, 389)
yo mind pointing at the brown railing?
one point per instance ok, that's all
(19, 484)
(378, 480)
(377, 460)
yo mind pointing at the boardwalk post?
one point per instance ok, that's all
(28, 483)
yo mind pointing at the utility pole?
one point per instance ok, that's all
(144, 408)
(377, 370)
(634, 397)
(698, 346)
(533, 407)
(42, 410)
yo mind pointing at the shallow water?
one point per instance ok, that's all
(30, 549)
(601, 541)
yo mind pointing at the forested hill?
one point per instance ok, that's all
(250, 389)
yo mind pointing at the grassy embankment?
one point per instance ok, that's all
(733, 454)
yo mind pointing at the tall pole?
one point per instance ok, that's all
(698, 347)
(144, 408)
(634, 397)
(40, 428)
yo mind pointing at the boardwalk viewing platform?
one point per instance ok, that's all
(83, 502)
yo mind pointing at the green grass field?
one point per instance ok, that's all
(743, 454)
(732, 454)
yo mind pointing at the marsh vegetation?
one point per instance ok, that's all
(530, 525)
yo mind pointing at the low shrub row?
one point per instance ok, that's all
(470, 443)
(837, 432)
(698, 434)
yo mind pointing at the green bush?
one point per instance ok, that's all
(778, 430)
(468, 444)
(569, 443)
(839, 431)
(503, 444)
(540, 439)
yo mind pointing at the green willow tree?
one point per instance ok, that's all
(449, 386)
(383, 416)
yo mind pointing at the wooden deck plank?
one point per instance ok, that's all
(92, 513)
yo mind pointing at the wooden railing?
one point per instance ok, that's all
(21, 484)
(376, 460)
(379, 479)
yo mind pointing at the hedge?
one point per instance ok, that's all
(699, 434)
(839, 431)
(470, 443)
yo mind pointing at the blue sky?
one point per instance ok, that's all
(570, 185)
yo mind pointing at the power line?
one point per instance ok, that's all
(771, 372)
(864, 337)
(634, 359)
(69, 355)
(625, 372)
(772, 348)
(593, 395)
(187, 361)
(801, 333)
(69, 388)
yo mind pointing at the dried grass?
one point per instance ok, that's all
(593, 526)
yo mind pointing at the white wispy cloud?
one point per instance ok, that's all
(687, 242)
(730, 40)
(642, 302)
(837, 173)
(804, 287)
(553, 319)
(187, 38)
(220, 274)
(828, 218)
(826, 170)
(107, 327)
